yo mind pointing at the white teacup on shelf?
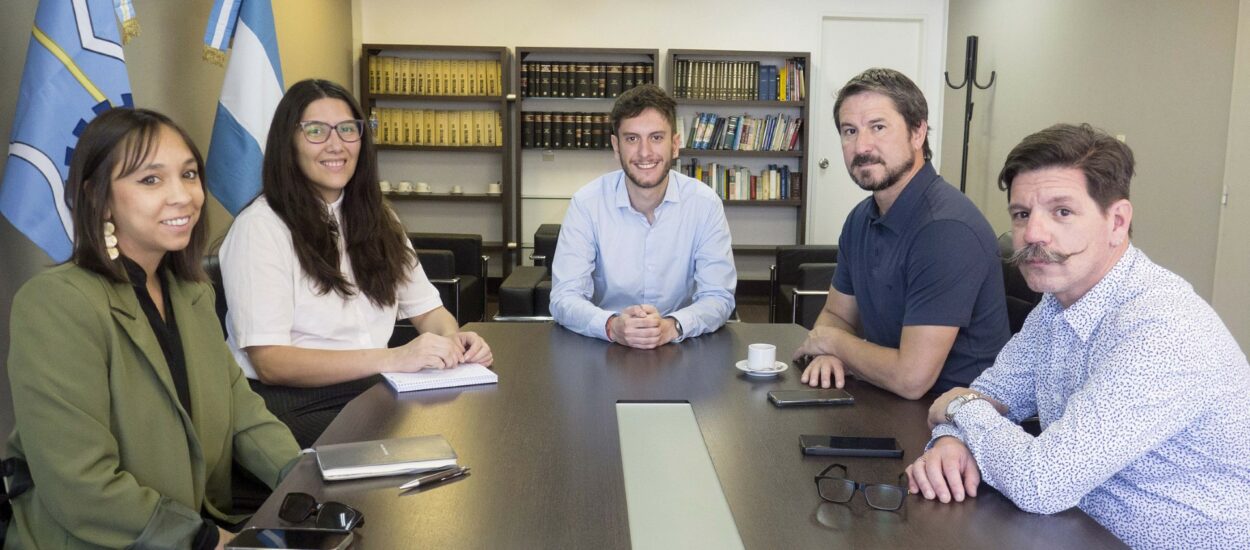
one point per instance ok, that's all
(457, 190)
(423, 187)
(385, 186)
(405, 186)
(494, 188)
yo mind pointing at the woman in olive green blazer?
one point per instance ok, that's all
(125, 446)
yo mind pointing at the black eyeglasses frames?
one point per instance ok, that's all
(835, 487)
(318, 132)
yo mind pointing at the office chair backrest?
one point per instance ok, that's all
(1020, 298)
(212, 267)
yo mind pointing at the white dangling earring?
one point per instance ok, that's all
(110, 240)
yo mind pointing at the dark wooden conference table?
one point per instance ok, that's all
(546, 468)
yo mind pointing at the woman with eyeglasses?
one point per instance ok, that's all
(318, 268)
(130, 411)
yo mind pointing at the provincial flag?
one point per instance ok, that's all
(74, 71)
(250, 94)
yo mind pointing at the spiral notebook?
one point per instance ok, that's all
(468, 374)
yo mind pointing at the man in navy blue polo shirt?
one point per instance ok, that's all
(917, 302)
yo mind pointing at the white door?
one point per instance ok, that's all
(1231, 298)
(912, 44)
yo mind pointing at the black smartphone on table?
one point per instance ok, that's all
(793, 398)
(828, 445)
(254, 538)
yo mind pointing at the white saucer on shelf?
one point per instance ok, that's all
(778, 368)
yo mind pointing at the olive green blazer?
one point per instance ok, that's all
(116, 461)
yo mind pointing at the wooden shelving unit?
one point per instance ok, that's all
(494, 97)
(573, 167)
(738, 93)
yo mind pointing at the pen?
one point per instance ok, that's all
(435, 477)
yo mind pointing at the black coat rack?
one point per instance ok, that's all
(969, 81)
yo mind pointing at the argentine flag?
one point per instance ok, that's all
(74, 70)
(249, 95)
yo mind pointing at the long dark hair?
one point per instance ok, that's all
(123, 137)
(376, 243)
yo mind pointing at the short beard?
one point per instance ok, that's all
(1036, 252)
(644, 184)
(891, 176)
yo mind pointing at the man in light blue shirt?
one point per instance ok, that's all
(1141, 391)
(644, 254)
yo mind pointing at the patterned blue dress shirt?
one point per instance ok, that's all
(609, 257)
(1144, 401)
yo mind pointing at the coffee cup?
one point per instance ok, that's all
(385, 185)
(494, 188)
(405, 186)
(457, 190)
(761, 357)
(423, 187)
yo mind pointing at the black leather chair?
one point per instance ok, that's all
(799, 282)
(212, 267)
(526, 294)
(1020, 298)
(454, 263)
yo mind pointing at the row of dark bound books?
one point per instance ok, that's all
(739, 80)
(548, 130)
(577, 79)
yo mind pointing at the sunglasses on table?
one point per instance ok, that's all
(833, 486)
(298, 507)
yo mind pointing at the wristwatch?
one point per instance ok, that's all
(677, 325)
(959, 402)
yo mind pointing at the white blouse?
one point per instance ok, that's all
(272, 302)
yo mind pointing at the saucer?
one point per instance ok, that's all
(778, 368)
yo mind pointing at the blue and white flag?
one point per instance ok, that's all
(75, 70)
(249, 95)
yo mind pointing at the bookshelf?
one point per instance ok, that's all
(442, 117)
(568, 92)
(745, 120)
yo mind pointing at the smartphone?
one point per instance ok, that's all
(825, 445)
(292, 538)
(790, 398)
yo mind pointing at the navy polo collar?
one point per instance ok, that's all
(908, 202)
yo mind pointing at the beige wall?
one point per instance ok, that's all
(166, 74)
(1158, 72)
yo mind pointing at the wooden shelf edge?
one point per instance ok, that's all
(444, 98)
(688, 153)
(739, 102)
(791, 203)
(463, 197)
(448, 148)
